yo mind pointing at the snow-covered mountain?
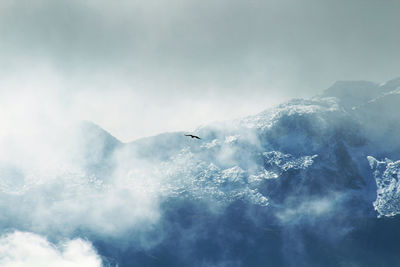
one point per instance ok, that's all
(311, 182)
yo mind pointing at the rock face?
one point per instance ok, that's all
(386, 174)
(301, 184)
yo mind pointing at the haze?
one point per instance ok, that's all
(139, 68)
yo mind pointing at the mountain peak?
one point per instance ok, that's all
(353, 93)
(391, 85)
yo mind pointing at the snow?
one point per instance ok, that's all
(387, 177)
(231, 138)
(270, 117)
(302, 161)
(211, 144)
(287, 161)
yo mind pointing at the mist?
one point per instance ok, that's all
(174, 65)
(291, 168)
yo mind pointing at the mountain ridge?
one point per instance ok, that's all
(293, 185)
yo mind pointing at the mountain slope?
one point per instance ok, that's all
(300, 184)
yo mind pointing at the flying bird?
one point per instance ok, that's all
(193, 136)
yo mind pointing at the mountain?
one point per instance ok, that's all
(311, 182)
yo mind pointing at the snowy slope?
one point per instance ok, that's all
(386, 174)
(291, 186)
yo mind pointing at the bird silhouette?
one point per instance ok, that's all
(193, 136)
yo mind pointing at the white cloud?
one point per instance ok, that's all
(310, 208)
(28, 249)
(161, 66)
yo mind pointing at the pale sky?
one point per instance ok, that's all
(139, 68)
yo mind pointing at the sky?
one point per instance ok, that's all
(139, 68)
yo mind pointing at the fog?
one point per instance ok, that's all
(84, 85)
(26, 249)
(140, 68)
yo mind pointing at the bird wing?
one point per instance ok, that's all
(193, 136)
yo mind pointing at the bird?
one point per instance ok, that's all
(193, 136)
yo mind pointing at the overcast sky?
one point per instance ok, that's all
(139, 68)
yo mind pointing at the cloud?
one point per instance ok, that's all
(138, 68)
(309, 209)
(59, 174)
(165, 65)
(28, 249)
